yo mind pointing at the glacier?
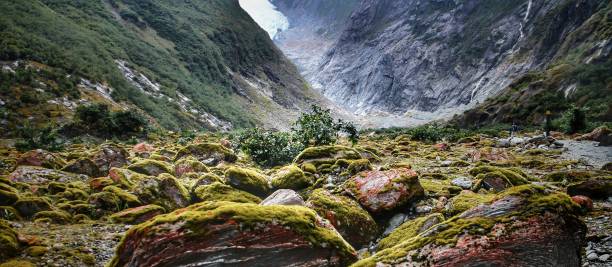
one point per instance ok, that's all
(266, 15)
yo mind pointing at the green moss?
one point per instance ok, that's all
(222, 192)
(151, 167)
(9, 244)
(354, 223)
(438, 188)
(99, 183)
(28, 206)
(435, 176)
(206, 151)
(9, 213)
(189, 164)
(357, 166)
(164, 190)
(409, 230)
(127, 198)
(36, 251)
(8, 197)
(460, 163)
(290, 177)
(569, 176)
(56, 187)
(303, 221)
(137, 215)
(326, 155)
(106, 201)
(247, 180)
(17, 263)
(74, 194)
(513, 176)
(309, 167)
(54, 216)
(465, 201)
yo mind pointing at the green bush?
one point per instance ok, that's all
(571, 121)
(268, 148)
(46, 138)
(99, 121)
(318, 128)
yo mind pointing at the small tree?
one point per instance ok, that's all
(577, 122)
(318, 128)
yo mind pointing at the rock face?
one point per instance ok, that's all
(383, 191)
(544, 231)
(209, 234)
(393, 56)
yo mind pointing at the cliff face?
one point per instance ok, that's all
(187, 64)
(394, 56)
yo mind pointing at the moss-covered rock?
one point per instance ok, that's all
(596, 188)
(126, 178)
(572, 176)
(105, 201)
(9, 244)
(497, 179)
(9, 213)
(385, 191)
(53, 216)
(439, 188)
(8, 195)
(17, 263)
(248, 180)
(524, 226)
(352, 222)
(74, 194)
(41, 158)
(290, 177)
(222, 192)
(40, 176)
(163, 190)
(255, 235)
(326, 155)
(127, 199)
(137, 215)
(36, 251)
(465, 201)
(208, 153)
(188, 165)
(151, 167)
(206, 179)
(83, 166)
(28, 206)
(410, 229)
(109, 156)
(98, 184)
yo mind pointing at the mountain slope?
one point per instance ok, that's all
(187, 64)
(400, 57)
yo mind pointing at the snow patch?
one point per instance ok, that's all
(266, 15)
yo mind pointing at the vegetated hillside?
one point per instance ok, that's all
(397, 56)
(187, 64)
(580, 76)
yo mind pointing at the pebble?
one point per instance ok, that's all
(423, 209)
(462, 182)
(592, 256)
(604, 257)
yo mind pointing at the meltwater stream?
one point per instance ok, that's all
(266, 15)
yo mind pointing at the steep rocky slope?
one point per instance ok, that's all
(203, 64)
(397, 56)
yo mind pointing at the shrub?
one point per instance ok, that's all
(98, 120)
(572, 121)
(268, 148)
(46, 138)
(318, 128)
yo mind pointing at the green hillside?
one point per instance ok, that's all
(199, 49)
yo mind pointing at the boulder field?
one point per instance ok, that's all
(386, 201)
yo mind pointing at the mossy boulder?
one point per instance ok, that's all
(497, 179)
(572, 176)
(208, 153)
(17, 263)
(9, 244)
(523, 226)
(40, 176)
(109, 156)
(151, 167)
(8, 195)
(248, 180)
(28, 206)
(206, 179)
(98, 184)
(290, 177)
(72, 193)
(346, 215)
(126, 178)
(326, 155)
(410, 229)
(41, 158)
(9, 213)
(188, 165)
(53, 216)
(127, 199)
(439, 188)
(596, 188)
(222, 192)
(105, 201)
(465, 201)
(248, 234)
(84, 166)
(137, 215)
(385, 191)
(163, 190)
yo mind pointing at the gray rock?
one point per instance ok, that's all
(285, 197)
(395, 222)
(604, 257)
(593, 256)
(463, 182)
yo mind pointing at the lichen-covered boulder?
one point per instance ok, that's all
(207, 153)
(28, 206)
(352, 222)
(283, 197)
(385, 191)
(137, 215)
(188, 165)
(209, 233)
(596, 188)
(290, 177)
(222, 192)
(465, 201)
(523, 226)
(163, 190)
(126, 178)
(410, 229)
(151, 167)
(41, 158)
(39, 176)
(497, 179)
(9, 244)
(110, 156)
(206, 179)
(439, 188)
(84, 166)
(248, 180)
(322, 158)
(127, 199)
